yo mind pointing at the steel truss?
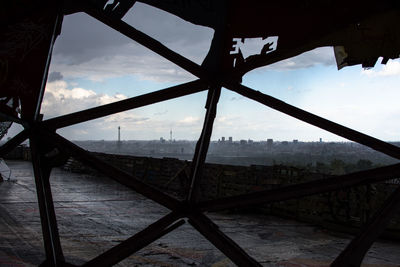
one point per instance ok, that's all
(49, 149)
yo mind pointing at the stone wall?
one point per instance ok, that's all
(18, 153)
(344, 210)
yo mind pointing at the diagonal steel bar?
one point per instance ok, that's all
(51, 238)
(304, 189)
(146, 41)
(221, 241)
(113, 172)
(202, 145)
(217, 60)
(127, 104)
(359, 246)
(315, 120)
(56, 27)
(137, 241)
(13, 142)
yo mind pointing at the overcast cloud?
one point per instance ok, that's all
(87, 48)
(90, 50)
(60, 99)
(392, 68)
(55, 76)
(63, 98)
(322, 55)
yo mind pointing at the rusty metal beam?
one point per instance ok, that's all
(113, 172)
(217, 60)
(55, 32)
(315, 120)
(303, 189)
(137, 242)
(202, 145)
(14, 142)
(51, 238)
(146, 41)
(221, 241)
(127, 104)
(359, 246)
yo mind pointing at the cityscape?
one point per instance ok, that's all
(227, 150)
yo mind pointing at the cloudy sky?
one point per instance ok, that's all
(93, 65)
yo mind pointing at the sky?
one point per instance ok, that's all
(94, 65)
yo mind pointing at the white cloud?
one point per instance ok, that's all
(59, 90)
(125, 118)
(322, 55)
(369, 108)
(392, 68)
(190, 120)
(59, 99)
(89, 49)
(130, 59)
(226, 121)
(62, 98)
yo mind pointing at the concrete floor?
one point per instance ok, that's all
(95, 214)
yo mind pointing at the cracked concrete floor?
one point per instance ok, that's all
(94, 214)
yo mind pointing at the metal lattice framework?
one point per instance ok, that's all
(49, 149)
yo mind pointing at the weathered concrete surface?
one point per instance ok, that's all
(95, 214)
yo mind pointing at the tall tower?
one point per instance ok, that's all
(170, 135)
(119, 137)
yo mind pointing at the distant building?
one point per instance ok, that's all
(223, 138)
(295, 141)
(320, 140)
(270, 142)
(230, 139)
(119, 134)
(243, 142)
(119, 137)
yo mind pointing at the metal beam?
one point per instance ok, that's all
(146, 41)
(221, 241)
(359, 246)
(137, 242)
(315, 120)
(56, 27)
(217, 61)
(7, 114)
(127, 104)
(202, 145)
(13, 142)
(303, 189)
(51, 238)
